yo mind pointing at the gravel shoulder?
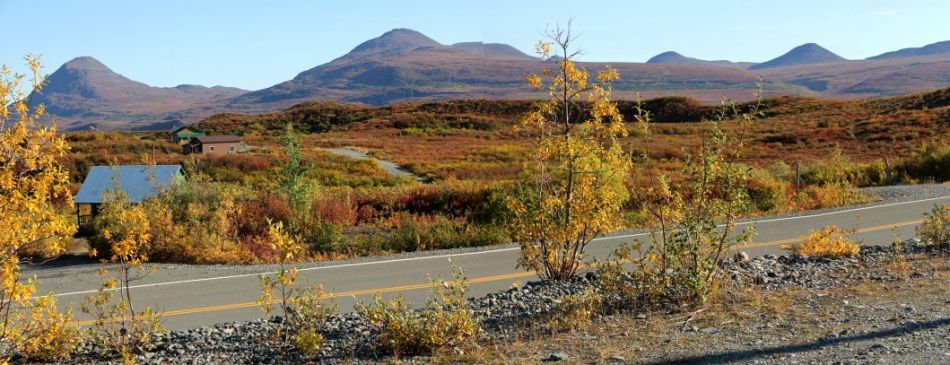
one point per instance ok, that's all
(869, 310)
(877, 307)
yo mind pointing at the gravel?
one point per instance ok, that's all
(897, 193)
(349, 337)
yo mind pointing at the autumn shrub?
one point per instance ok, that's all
(935, 230)
(120, 329)
(930, 162)
(691, 222)
(828, 196)
(430, 232)
(196, 222)
(445, 321)
(834, 169)
(574, 310)
(34, 183)
(304, 313)
(339, 208)
(572, 187)
(766, 193)
(830, 242)
(253, 213)
(51, 335)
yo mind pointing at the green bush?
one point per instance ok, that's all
(930, 162)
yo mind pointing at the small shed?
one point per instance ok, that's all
(184, 134)
(215, 145)
(138, 182)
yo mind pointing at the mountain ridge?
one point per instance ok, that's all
(404, 65)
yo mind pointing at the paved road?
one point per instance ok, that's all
(193, 296)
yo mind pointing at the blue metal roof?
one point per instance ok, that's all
(136, 181)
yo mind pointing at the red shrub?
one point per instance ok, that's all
(252, 219)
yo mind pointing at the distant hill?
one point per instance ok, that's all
(403, 65)
(808, 53)
(674, 58)
(939, 48)
(84, 93)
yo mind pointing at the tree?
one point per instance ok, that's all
(572, 191)
(292, 180)
(31, 182)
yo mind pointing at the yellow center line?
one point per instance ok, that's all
(478, 280)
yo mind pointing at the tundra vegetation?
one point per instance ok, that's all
(799, 152)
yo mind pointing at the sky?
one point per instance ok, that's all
(256, 44)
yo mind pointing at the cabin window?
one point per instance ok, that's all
(231, 148)
(211, 148)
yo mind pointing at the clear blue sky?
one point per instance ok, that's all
(255, 44)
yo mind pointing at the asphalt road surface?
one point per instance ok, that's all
(192, 295)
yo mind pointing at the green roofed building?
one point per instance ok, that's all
(184, 134)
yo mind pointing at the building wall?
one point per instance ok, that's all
(216, 148)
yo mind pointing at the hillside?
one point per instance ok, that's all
(802, 55)
(84, 93)
(928, 50)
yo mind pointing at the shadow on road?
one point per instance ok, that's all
(746, 355)
(60, 262)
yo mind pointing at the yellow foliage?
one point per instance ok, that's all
(572, 189)
(31, 179)
(51, 335)
(574, 310)
(830, 242)
(935, 231)
(444, 321)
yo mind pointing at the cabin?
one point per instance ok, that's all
(215, 145)
(184, 134)
(138, 182)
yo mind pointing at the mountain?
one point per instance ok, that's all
(404, 65)
(674, 58)
(939, 48)
(802, 55)
(495, 50)
(84, 93)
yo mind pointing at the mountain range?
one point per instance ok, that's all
(403, 65)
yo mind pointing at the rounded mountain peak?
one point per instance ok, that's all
(400, 39)
(667, 57)
(85, 63)
(801, 55)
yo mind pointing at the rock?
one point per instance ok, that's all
(556, 356)
(640, 316)
(710, 330)
(740, 257)
(617, 358)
